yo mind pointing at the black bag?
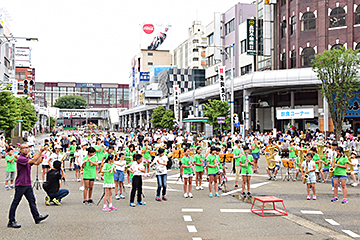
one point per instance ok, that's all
(169, 164)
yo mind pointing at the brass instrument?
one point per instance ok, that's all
(350, 168)
(269, 155)
(320, 150)
(258, 144)
(306, 176)
(331, 172)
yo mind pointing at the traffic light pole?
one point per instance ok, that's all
(232, 90)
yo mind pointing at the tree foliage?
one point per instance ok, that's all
(26, 112)
(52, 122)
(337, 70)
(8, 110)
(167, 120)
(156, 116)
(216, 108)
(71, 102)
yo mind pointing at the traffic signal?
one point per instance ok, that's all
(26, 90)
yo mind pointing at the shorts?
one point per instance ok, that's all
(10, 176)
(205, 164)
(146, 160)
(188, 175)
(91, 180)
(277, 167)
(45, 166)
(311, 178)
(109, 185)
(339, 177)
(246, 174)
(356, 171)
(213, 174)
(292, 158)
(77, 166)
(325, 169)
(317, 170)
(119, 176)
(256, 155)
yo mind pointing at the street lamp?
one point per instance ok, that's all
(231, 77)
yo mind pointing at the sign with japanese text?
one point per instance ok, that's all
(304, 113)
(222, 83)
(145, 76)
(176, 102)
(251, 37)
(88, 85)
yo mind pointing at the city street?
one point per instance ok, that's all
(201, 217)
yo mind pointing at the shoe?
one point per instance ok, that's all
(90, 201)
(106, 209)
(117, 197)
(113, 208)
(339, 189)
(190, 195)
(141, 203)
(243, 195)
(256, 171)
(102, 179)
(132, 204)
(164, 198)
(217, 195)
(332, 189)
(186, 195)
(210, 195)
(78, 179)
(295, 179)
(334, 199)
(41, 218)
(226, 179)
(96, 179)
(85, 202)
(47, 201)
(56, 201)
(129, 185)
(314, 197)
(344, 201)
(274, 178)
(197, 188)
(12, 186)
(354, 184)
(13, 225)
(236, 186)
(249, 195)
(81, 188)
(158, 199)
(219, 188)
(270, 178)
(70, 169)
(308, 197)
(122, 196)
(201, 188)
(322, 181)
(7, 188)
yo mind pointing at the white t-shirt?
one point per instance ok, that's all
(161, 169)
(80, 154)
(180, 139)
(277, 158)
(120, 168)
(46, 158)
(56, 157)
(137, 167)
(356, 162)
(310, 166)
(31, 140)
(170, 137)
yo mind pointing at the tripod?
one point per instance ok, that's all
(37, 183)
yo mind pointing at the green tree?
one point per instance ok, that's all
(216, 108)
(167, 120)
(26, 112)
(8, 110)
(52, 122)
(71, 102)
(156, 116)
(337, 70)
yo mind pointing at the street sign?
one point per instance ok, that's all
(222, 83)
(251, 37)
(176, 102)
(220, 118)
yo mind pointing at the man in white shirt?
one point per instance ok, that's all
(30, 140)
(179, 139)
(170, 139)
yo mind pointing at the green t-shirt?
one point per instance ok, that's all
(146, 154)
(292, 152)
(197, 159)
(100, 154)
(89, 171)
(256, 150)
(316, 158)
(218, 159)
(131, 174)
(72, 149)
(327, 162)
(211, 160)
(297, 162)
(108, 176)
(338, 171)
(10, 166)
(186, 162)
(237, 152)
(246, 169)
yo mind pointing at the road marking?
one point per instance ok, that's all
(235, 210)
(192, 210)
(351, 233)
(332, 222)
(191, 228)
(187, 218)
(311, 212)
(196, 238)
(256, 185)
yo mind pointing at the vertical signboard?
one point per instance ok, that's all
(251, 37)
(133, 76)
(176, 102)
(222, 83)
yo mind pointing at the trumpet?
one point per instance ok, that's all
(306, 176)
(331, 172)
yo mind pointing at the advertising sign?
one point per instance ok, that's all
(176, 102)
(354, 106)
(304, 113)
(88, 85)
(133, 77)
(251, 37)
(5, 21)
(222, 83)
(22, 57)
(145, 76)
(14, 85)
(155, 36)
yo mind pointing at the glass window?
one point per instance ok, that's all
(150, 63)
(307, 56)
(99, 95)
(229, 26)
(120, 97)
(337, 17)
(283, 29)
(293, 25)
(20, 75)
(283, 2)
(150, 53)
(195, 59)
(211, 39)
(195, 50)
(106, 93)
(86, 96)
(246, 69)
(243, 46)
(336, 46)
(283, 61)
(357, 46)
(70, 89)
(357, 15)
(62, 91)
(308, 21)
(112, 96)
(293, 59)
(92, 96)
(210, 60)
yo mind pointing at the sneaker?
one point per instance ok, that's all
(226, 179)
(158, 199)
(314, 197)
(132, 204)
(102, 179)
(190, 195)
(339, 189)
(122, 196)
(164, 198)
(243, 195)
(90, 201)
(113, 208)
(210, 195)
(186, 195)
(47, 201)
(322, 181)
(197, 188)
(295, 179)
(274, 178)
(7, 188)
(249, 195)
(106, 209)
(354, 184)
(96, 179)
(217, 195)
(219, 188)
(308, 197)
(12, 186)
(236, 186)
(141, 203)
(56, 201)
(332, 189)
(344, 201)
(78, 179)
(201, 188)
(117, 197)
(334, 199)
(81, 188)
(129, 185)
(269, 178)
(85, 202)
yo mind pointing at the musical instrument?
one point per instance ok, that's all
(226, 157)
(153, 153)
(320, 150)
(303, 152)
(258, 144)
(306, 176)
(331, 172)
(269, 155)
(280, 143)
(350, 168)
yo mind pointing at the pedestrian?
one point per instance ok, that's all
(146, 150)
(72, 150)
(52, 185)
(23, 185)
(89, 175)
(213, 171)
(309, 167)
(10, 168)
(199, 168)
(108, 171)
(119, 176)
(161, 174)
(340, 165)
(187, 165)
(246, 163)
(138, 170)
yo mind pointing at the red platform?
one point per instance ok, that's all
(268, 199)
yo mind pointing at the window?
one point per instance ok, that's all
(337, 17)
(99, 95)
(150, 53)
(307, 56)
(293, 59)
(195, 50)
(283, 61)
(106, 96)
(336, 46)
(283, 29)
(308, 21)
(229, 26)
(283, 2)
(227, 52)
(92, 96)
(211, 39)
(195, 40)
(357, 15)
(243, 46)
(62, 91)
(293, 25)
(357, 46)
(246, 69)
(150, 63)
(210, 60)
(195, 59)
(20, 75)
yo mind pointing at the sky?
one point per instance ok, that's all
(94, 41)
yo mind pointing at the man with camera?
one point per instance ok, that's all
(52, 185)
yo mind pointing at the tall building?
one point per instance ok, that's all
(6, 48)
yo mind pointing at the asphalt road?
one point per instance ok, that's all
(201, 217)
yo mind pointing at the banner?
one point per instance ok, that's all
(22, 57)
(155, 37)
(145, 76)
(222, 83)
(176, 102)
(251, 37)
(304, 113)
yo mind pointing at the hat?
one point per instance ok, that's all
(57, 146)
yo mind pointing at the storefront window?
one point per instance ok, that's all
(106, 93)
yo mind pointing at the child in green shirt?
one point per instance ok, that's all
(10, 168)
(72, 150)
(246, 163)
(187, 164)
(108, 170)
(199, 168)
